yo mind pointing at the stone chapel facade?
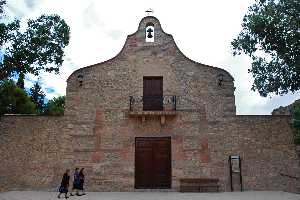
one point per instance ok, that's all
(146, 119)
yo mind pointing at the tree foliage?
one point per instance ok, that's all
(55, 106)
(38, 48)
(2, 2)
(271, 37)
(20, 81)
(14, 100)
(37, 97)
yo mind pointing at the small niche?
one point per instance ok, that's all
(149, 32)
(80, 80)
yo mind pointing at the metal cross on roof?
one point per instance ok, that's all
(149, 11)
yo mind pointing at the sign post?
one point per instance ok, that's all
(235, 166)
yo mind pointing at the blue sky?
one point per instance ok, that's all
(202, 30)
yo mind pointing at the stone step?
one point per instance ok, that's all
(199, 185)
(155, 190)
(206, 188)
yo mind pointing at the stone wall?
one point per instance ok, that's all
(266, 145)
(34, 150)
(113, 81)
(200, 148)
(31, 150)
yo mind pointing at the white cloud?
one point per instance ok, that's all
(203, 31)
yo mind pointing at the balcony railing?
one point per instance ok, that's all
(160, 103)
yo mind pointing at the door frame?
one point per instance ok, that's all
(135, 158)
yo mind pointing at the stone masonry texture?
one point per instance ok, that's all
(98, 132)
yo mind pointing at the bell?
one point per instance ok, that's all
(149, 31)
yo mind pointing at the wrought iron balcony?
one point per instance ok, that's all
(159, 103)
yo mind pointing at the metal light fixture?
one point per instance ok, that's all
(220, 79)
(80, 79)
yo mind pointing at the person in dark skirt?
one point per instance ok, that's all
(81, 181)
(64, 186)
(76, 182)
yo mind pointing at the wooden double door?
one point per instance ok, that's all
(152, 162)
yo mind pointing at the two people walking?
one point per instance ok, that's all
(78, 181)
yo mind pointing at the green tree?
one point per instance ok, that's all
(55, 106)
(271, 37)
(14, 100)
(20, 81)
(37, 96)
(38, 48)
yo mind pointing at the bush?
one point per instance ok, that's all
(55, 106)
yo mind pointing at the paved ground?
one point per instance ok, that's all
(33, 195)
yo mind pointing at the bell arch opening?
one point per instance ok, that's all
(149, 32)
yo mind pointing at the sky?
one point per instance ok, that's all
(202, 29)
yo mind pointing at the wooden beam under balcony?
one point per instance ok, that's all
(153, 113)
